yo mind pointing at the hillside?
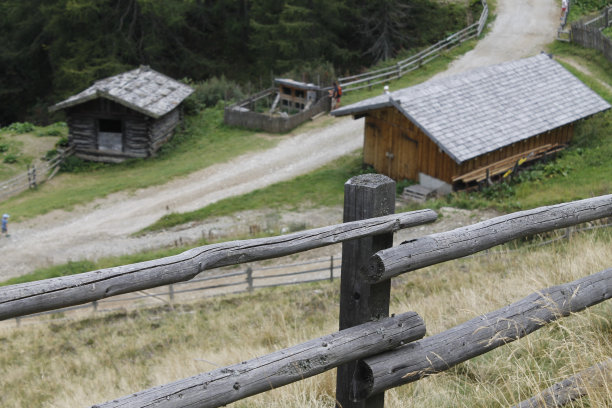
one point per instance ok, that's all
(105, 226)
(58, 361)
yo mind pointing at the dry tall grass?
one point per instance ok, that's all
(79, 363)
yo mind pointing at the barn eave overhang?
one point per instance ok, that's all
(102, 94)
(360, 111)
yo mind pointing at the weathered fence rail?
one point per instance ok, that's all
(442, 351)
(36, 174)
(289, 274)
(372, 343)
(572, 388)
(39, 296)
(432, 249)
(588, 33)
(229, 384)
(382, 75)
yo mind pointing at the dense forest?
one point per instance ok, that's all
(53, 48)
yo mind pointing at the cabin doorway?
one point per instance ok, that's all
(110, 135)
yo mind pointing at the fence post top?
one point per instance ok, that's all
(369, 180)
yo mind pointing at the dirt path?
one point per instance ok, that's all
(521, 29)
(103, 227)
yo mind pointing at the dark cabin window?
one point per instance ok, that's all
(286, 91)
(110, 135)
(111, 126)
(299, 93)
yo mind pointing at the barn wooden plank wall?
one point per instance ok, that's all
(395, 146)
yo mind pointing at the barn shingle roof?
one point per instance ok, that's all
(482, 110)
(142, 89)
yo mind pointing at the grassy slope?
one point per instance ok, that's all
(19, 146)
(78, 363)
(205, 140)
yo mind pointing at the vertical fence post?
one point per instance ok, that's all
(365, 196)
(94, 304)
(331, 268)
(171, 292)
(249, 279)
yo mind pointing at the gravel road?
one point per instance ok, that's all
(103, 228)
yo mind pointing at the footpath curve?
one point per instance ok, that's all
(103, 228)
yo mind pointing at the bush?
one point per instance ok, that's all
(50, 154)
(10, 159)
(19, 127)
(63, 142)
(56, 129)
(4, 147)
(73, 164)
(210, 92)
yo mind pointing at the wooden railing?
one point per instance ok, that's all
(373, 352)
(36, 174)
(382, 75)
(588, 33)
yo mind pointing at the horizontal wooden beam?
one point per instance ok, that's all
(49, 294)
(572, 388)
(478, 336)
(460, 242)
(228, 384)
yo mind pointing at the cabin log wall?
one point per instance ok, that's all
(142, 135)
(396, 147)
(161, 130)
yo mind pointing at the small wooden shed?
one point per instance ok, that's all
(296, 95)
(130, 115)
(455, 131)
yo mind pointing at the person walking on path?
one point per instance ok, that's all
(5, 218)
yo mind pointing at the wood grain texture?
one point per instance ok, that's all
(49, 294)
(460, 242)
(228, 384)
(478, 336)
(572, 388)
(365, 196)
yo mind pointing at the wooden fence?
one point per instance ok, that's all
(588, 33)
(37, 173)
(384, 351)
(382, 75)
(238, 115)
(217, 282)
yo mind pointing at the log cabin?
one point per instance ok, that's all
(454, 132)
(130, 115)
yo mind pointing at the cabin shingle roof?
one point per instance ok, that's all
(142, 89)
(482, 110)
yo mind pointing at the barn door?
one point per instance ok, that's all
(110, 135)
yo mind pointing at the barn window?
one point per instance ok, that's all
(110, 135)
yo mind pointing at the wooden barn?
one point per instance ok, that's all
(130, 115)
(456, 131)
